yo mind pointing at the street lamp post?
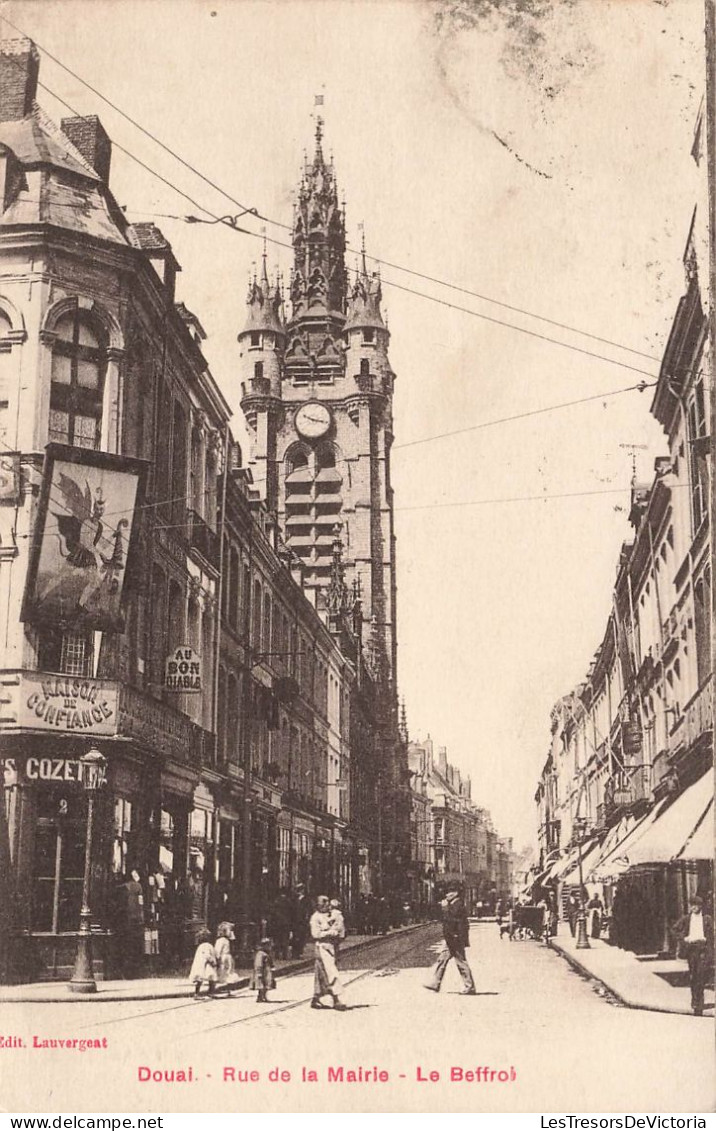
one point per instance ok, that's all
(93, 767)
(582, 937)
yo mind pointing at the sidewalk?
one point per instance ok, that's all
(172, 985)
(636, 982)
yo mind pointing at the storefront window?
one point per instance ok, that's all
(201, 846)
(166, 842)
(226, 855)
(284, 844)
(58, 864)
(122, 831)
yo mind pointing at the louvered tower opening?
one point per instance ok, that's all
(313, 507)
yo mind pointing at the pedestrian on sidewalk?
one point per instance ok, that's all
(456, 931)
(695, 931)
(263, 978)
(225, 969)
(324, 933)
(280, 924)
(203, 968)
(572, 913)
(595, 909)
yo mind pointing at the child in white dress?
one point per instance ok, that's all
(203, 968)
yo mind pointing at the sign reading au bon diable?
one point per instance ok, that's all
(182, 671)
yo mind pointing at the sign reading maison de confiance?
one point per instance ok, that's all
(65, 703)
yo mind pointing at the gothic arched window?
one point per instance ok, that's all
(78, 367)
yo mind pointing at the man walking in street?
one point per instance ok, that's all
(456, 931)
(695, 930)
(325, 932)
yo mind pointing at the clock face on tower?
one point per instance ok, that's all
(312, 420)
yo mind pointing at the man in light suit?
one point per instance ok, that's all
(695, 932)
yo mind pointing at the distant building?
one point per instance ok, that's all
(465, 849)
(629, 768)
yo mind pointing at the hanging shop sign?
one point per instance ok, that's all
(64, 703)
(182, 671)
(10, 478)
(84, 539)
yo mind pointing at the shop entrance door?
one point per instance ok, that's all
(58, 864)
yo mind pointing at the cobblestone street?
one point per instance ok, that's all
(532, 1013)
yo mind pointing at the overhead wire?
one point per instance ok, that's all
(466, 310)
(231, 222)
(406, 444)
(277, 223)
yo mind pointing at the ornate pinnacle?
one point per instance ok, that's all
(403, 721)
(337, 596)
(319, 138)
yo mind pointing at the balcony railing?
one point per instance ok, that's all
(696, 719)
(626, 789)
(202, 538)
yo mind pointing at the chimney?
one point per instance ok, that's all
(19, 68)
(89, 137)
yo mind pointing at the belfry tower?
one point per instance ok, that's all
(317, 391)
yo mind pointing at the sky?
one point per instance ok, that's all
(535, 153)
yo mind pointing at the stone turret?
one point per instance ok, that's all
(366, 335)
(262, 338)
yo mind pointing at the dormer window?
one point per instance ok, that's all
(369, 336)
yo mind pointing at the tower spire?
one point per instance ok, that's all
(319, 241)
(264, 271)
(318, 159)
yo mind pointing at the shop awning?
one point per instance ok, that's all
(616, 860)
(700, 845)
(564, 867)
(614, 837)
(557, 867)
(590, 857)
(676, 824)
